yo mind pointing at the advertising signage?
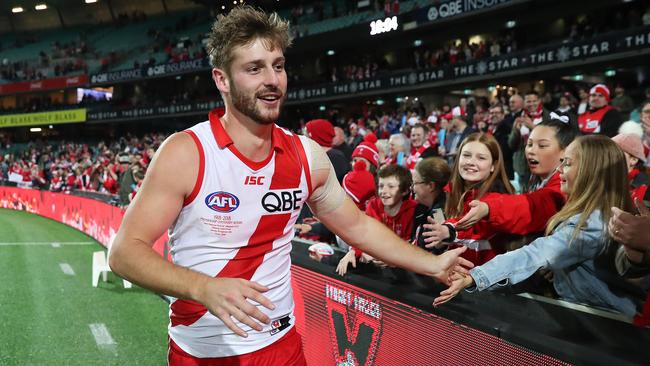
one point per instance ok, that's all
(453, 8)
(557, 55)
(106, 115)
(63, 82)
(160, 70)
(43, 118)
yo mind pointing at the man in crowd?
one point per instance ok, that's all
(419, 145)
(601, 117)
(340, 144)
(322, 131)
(460, 130)
(236, 187)
(622, 102)
(500, 128)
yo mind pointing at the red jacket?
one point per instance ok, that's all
(527, 213)
(483, 240)
(401, 224)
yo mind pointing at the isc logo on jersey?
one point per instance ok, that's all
(222, 201)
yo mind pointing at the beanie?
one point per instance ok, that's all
(600, 89)
(359, 184)
(321, 131)
(631, 144)
(368, 151)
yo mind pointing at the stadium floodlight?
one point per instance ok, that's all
(511, 24)
(17, 9)
(610, 73)
(330, 53)
(90, 1)
(322, 108)
(40, 7)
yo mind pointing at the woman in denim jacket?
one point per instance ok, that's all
(593, 174)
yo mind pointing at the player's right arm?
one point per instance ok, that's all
(169, 181)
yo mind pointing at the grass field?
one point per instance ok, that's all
(49, 316)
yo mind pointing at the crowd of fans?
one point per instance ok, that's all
(115, 168)
(461, 166)
(439, 178)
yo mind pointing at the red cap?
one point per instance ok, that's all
(367, 150)
(600, 89)
(359, 184)
(321, 131)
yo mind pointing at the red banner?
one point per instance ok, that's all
(95, 218)
(46, 84)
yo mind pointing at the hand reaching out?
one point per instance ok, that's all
(459, 282)
(434, 233)
(349, 258)
(451, 263)
(478, 211)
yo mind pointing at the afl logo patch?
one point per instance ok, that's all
(222, 201)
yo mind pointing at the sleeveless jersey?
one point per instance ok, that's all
(238, 222)
(590, 121)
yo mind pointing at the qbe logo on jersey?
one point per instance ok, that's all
(222, 201)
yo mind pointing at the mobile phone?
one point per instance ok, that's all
(438, 215)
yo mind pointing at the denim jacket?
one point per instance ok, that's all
(572, 265)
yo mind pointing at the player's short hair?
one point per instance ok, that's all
(243, 25)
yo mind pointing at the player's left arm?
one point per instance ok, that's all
(337, 211)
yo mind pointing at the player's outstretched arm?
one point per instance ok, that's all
(169, 180)
(334, 209)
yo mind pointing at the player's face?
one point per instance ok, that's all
(258, 81)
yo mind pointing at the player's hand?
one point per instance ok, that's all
(450, 263)
(349, 258)
(458, 283)
(478, 211)
(434, 233)
(228, 298)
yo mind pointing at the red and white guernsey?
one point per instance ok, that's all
(238, 222)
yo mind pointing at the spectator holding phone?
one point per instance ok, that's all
(430, 177)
